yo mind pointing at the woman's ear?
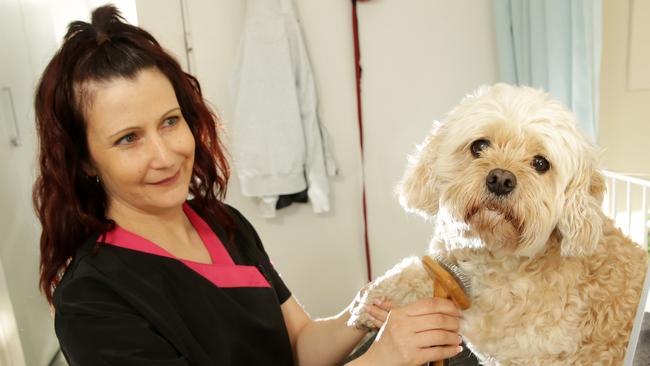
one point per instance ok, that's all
(581, 220)
(417, 190)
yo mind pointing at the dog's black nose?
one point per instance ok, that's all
(500, 182)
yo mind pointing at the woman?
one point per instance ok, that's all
(139, 275)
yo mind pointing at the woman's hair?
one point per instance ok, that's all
(70, 205)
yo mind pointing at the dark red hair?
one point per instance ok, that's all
(70, 205)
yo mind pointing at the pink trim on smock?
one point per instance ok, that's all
(223, 272)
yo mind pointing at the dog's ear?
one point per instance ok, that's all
(417, 190)
(581, 221)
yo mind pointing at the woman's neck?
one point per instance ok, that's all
(168, 228)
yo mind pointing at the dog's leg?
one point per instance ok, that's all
(403, 284)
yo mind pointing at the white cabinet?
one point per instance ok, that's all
(11, 351)
(22, 306)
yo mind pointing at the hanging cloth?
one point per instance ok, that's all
(279, 145)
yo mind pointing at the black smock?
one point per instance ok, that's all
(117, 305)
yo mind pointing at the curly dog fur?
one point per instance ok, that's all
(553, 281)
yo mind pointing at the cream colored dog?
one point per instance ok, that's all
(515, 195)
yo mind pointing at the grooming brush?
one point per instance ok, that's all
(448, 283)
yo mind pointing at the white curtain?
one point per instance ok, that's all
(553, 45)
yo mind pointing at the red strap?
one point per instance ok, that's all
(357, 69)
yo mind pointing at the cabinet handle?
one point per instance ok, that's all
(15, 140)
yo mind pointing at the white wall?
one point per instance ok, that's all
(320, 256)
(418, 60)
(624, 131)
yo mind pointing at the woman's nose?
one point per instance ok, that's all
(160, 152)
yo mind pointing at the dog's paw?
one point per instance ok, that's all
(403, 284)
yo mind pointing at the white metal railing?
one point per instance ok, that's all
(630, 215)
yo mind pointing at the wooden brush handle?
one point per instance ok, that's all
(440, 275)
(439, 291)
(445, 286)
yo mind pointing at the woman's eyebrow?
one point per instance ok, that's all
(169, 111)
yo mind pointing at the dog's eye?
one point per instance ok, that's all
(478, 146)
(541, 164)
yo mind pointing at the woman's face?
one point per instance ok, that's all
(140, 146)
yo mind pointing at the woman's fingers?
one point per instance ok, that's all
(438, 353)
(432, 314)
(383, 304)
(376, 322)
(432, 305)
(376, 315)
(436, 321)
(378, 312)
(415, 334)
(433, 338)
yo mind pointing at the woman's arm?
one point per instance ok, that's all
(412, 335)
(322, 341)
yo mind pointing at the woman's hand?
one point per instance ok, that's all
(378, 312)
(424, 331)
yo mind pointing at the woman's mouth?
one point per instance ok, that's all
(168, 181)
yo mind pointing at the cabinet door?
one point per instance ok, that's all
(11, 352)
(19, 229)
(12, 193)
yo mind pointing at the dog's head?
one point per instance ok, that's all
(506, 170)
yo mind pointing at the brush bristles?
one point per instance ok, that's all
(455, 271)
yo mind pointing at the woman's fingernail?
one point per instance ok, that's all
(459, 349)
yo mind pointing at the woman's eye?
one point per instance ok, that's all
(478, 146)
(170, 121)
(540, 164)
(127, 139)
